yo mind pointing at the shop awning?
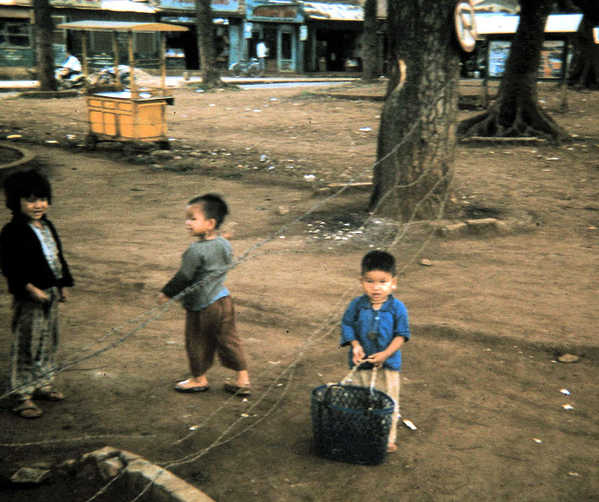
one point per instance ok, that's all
(509, 6)
(221, 7)
(503, 24)
(283, 11)
(120, 26)
(179, 19)
(127, 6)
(219, 21)
(16, 13)
(333, 11)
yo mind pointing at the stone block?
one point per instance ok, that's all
(139, 475)
(30, 475)
(110, 468)
(482, 226)
(453, 230)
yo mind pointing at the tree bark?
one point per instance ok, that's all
(516, 111)
(416, 141)
(370, 70)
(209, 70)
(44, 28)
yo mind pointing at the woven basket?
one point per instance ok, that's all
(351, 424)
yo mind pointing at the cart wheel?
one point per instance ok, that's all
(91, 141)
(164, 144)
(128, 148)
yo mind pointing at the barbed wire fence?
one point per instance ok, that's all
(323, 330)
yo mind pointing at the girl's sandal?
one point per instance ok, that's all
(391, 448)
(28, 409)
(48, 394)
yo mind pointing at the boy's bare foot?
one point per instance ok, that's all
(391, 447)
(191, 385)
(243, 379)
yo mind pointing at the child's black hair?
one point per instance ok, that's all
(379, 260)
(213, 206)
(24, 184)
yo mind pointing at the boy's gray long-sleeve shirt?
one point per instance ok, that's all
(204, 264)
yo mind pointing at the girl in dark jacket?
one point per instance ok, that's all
(32, 261)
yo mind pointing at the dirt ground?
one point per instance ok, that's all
(490, 314)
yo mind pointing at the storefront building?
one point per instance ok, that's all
(280, 26)
(300, 36)
(238, 27)
(17, 31)
(228, 19)
(333, 42)
(16, 34)
(496, 32)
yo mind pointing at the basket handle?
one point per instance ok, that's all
(351, 374)
(373, 379)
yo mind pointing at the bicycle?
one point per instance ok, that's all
(250, 67)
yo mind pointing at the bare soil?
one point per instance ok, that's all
(490, 313)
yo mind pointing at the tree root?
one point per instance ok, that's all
(528, 121)
(215, 85)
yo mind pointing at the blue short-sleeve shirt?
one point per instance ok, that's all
(390, 321)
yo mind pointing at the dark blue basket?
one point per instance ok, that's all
(351, 424)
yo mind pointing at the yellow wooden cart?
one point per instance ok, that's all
(127, 115)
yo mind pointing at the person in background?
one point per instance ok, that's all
(261, 53)
(71, 66)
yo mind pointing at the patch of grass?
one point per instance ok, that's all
(185, 166)
(218, 87)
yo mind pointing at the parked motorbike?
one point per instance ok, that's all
(72, 81)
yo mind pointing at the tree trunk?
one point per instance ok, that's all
(370, 70)
(44, 28)
(585, 63)
(209, 70)
(417, 134)
(516, 111)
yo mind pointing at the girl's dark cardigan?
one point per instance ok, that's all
(22, 258)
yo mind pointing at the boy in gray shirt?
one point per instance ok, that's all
(199, 284)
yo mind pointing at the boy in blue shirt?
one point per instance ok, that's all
(375, 326)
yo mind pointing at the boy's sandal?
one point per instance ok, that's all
(237, 389)
(48, 394)
(391, 448)
(28, 409)
(186, 387)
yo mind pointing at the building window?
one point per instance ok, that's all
(101, 41)
(286, 47)
(145, 43)
(59, 37)
(15, 33)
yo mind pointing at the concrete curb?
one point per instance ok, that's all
(134, 475)
(26, 156)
